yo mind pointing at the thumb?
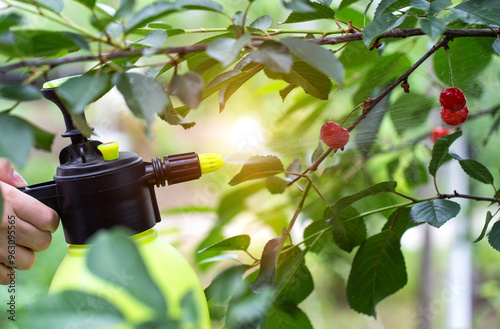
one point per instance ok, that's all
(9, 175)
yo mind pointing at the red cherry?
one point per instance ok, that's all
(452, 99)
(333, 135)
(454, 119)
(439, 132)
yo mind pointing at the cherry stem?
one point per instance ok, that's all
(447, 51)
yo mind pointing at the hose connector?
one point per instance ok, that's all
(183, 167)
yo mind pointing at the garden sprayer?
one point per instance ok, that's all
(97, 187)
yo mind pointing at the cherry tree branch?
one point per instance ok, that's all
(396, 33)
(371, 103)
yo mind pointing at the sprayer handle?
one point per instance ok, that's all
(44, 192)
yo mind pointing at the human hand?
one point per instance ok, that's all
(27, 224)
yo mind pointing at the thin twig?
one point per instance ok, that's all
(202, 47)
(467, 196)
(396, 83)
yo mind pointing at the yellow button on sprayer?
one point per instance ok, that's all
(109, 150)
(210, 162)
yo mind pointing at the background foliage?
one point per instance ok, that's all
(306, 62)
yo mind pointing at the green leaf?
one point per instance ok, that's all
(381, 25)
(226, 284)
(468, 57)
(416, 173)
(53, 5)
(400, 224)
(478, 12)
(43, 139)
(294, 282)
(160, 9)
(302, 6)
(11, 19)
(248, 311)
(346, 3)
(382, 7)
(316, 56)
(145, 97)
(20, 92)
(126, 8)
(87, 3)
(318, 152)
(435, 212)
(238, 242)
(475, 170)
(410, 111)
(80, 309)
(494, 236)
(432, 26)
(267, 273)
(26, 43)
(103, 15)
(154, 39)
(230, 205)
(258, 167)
(227, 50)
(222, 80)
(367, 130)
(206, 5)
(189, 88)
(342, 204)
(276, 185)
(487, 221)
(218, 258)
(314, 229)
(158, 323)
(262, 23)
(227, 91)
(286, 316)
(17, 139)
(383, 71)
(348, 231)
(351, 54)
(294, 167)
(234, 202)
(111, 248)
(190, 309)
(440, 151)
(72, 92)
(274, 55)
(496, 46)
(313, 82)
(204, 65)
(286, 91)
(321, 11)
(378, 270)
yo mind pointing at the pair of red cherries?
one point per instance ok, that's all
(454, 111)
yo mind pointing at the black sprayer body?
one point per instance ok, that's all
(94, 190)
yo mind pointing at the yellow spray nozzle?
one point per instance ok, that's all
(210, 162)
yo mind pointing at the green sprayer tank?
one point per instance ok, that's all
(98, 187)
